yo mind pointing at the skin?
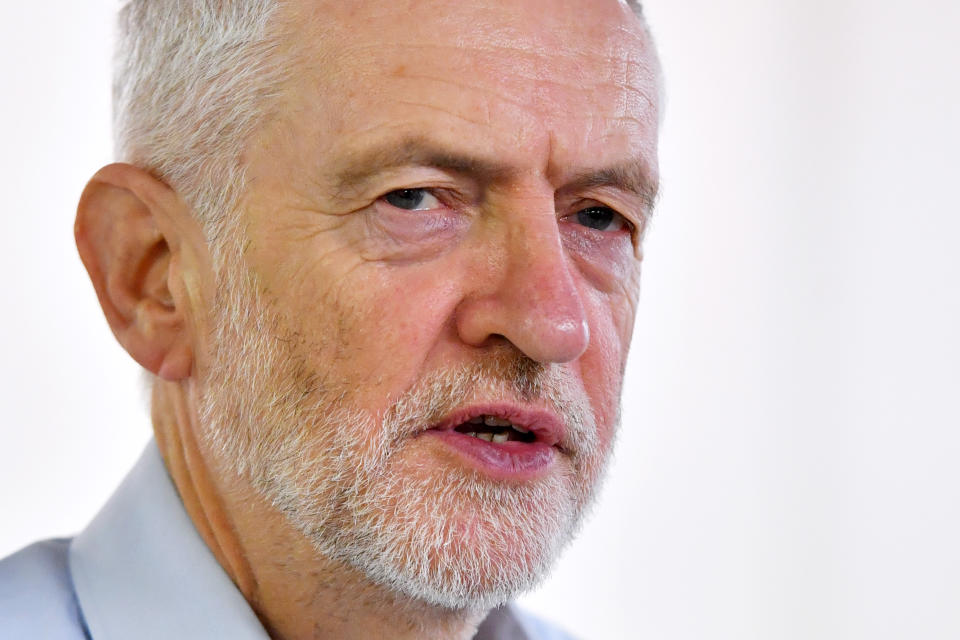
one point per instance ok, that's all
(512, 116)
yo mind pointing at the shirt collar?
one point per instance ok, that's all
(141, 570)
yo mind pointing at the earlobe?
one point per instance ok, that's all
(131, 262)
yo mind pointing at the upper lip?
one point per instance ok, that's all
(545, 425)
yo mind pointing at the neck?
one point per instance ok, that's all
(297, 593)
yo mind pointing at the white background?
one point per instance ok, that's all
(788, 467)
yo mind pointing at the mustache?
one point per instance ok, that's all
(505, 375)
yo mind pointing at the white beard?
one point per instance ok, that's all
(444, 535)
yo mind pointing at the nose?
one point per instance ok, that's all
(529, 298)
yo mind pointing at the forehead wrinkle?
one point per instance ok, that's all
(617, 86)
(533, 52)
(541, 95)
(628, 95)
(446, 110)
(524, 63)
(484, 92)
(522, 52)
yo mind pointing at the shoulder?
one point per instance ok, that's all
(539, 629)
(36, 594)
(510, 622)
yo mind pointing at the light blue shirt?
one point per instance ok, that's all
(140, 570)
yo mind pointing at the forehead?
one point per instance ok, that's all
(562, 77)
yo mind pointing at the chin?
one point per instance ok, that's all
(453, 540)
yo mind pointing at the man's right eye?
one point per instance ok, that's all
(412, 199)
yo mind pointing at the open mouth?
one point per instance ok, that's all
(494, 429)
(503, 441)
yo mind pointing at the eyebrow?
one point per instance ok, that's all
(362, 166)
(633, 176)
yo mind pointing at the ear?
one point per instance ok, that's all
(129, 238)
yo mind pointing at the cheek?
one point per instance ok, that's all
(387, 324)
(603, 363)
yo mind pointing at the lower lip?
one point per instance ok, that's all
(512, 460)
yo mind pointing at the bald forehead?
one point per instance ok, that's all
(485, 54)
(546, 40)
(511, 17)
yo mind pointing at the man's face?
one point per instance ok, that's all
(442, 226)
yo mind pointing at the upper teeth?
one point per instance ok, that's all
(493, 421)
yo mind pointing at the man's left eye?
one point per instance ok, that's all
(412, 199)
(602, 219)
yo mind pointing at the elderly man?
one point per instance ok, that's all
(381, 260)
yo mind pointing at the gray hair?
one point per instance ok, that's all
(193, 81)
(636, 6)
